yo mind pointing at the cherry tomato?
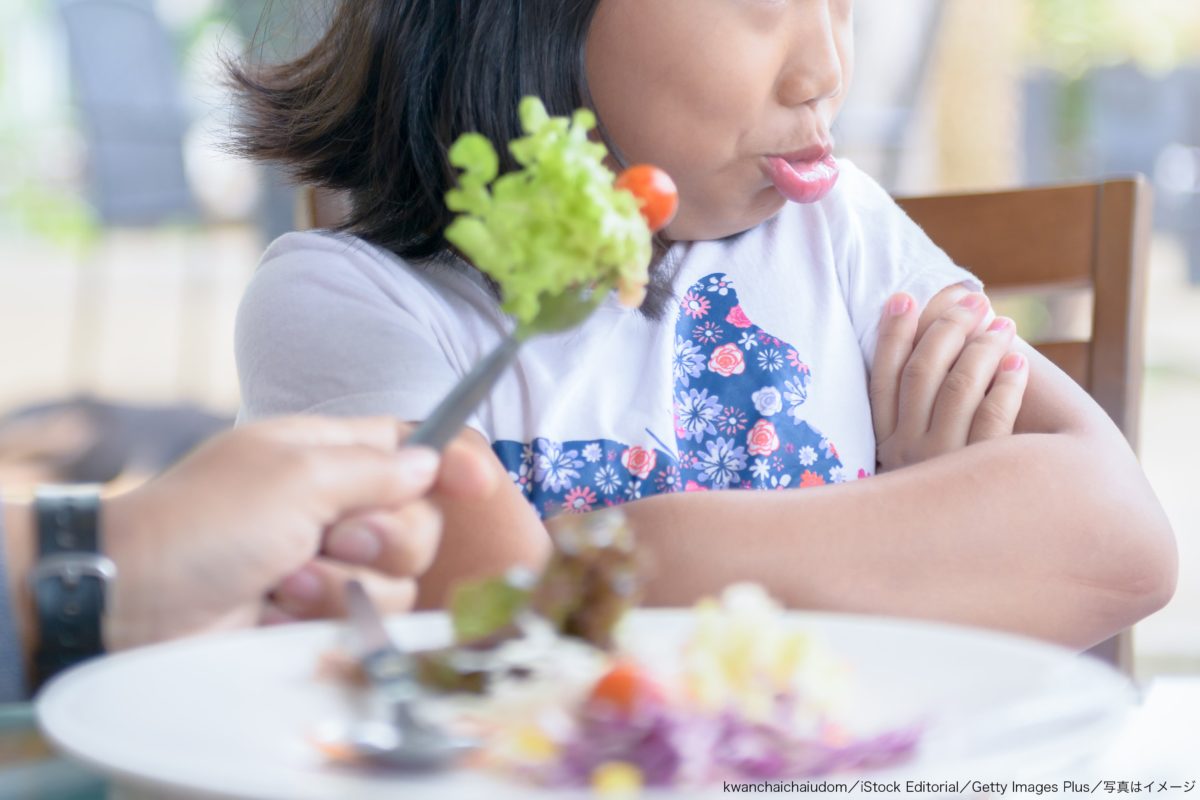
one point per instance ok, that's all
(625, 687)
(655, 191)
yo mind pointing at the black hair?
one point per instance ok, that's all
(372, 109)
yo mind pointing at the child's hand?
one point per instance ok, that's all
(952, 386)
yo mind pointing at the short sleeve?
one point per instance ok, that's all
(882, 252)
(326, 327)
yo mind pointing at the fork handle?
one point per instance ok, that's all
(444, 423)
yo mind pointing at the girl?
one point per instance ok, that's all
(801, 332)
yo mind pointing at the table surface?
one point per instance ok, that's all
(1158, 745)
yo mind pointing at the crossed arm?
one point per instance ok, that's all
(1053, 533)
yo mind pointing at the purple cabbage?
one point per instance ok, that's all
(648, 741)
(673, 748)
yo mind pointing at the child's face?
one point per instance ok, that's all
(710, 90)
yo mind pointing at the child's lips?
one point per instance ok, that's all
(804, 180)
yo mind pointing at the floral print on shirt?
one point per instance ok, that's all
(738, 422)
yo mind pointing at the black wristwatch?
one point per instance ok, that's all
(69, 580)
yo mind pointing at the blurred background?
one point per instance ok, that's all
(127, 235)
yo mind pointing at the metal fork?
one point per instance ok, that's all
(402, 738)
(555, 314)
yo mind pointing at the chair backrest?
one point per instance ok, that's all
(320, 208)
(127, 90)
(1087, 240)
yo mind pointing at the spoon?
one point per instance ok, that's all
(401, 738)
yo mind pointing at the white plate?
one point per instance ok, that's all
(228, 715)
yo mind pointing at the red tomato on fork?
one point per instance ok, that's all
(655, 191)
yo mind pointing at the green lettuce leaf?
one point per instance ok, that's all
(480, 608)
(553, 226)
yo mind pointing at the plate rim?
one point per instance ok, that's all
(60, 688)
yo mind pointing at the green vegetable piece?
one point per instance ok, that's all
(436, 672)
(593, 578)
(480, 608)
(557, 226)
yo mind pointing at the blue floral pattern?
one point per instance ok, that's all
(738, 423)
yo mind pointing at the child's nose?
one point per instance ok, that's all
(813, 70)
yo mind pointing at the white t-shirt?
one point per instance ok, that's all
(756, 378)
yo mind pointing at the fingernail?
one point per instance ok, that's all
(303, 585)
(418, 463)
(356, 545)
(973, 301)
(1012, 362)
(899, 305)
(1000, 324)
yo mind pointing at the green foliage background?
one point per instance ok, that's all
(1072, 36)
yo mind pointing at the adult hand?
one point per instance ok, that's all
(953, 385)
(199, 547)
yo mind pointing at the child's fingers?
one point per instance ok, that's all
(964, 388)
(897, 330)
(997, 414)
(932, 358)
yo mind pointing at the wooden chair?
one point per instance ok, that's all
(1088, 241)
(319, 208)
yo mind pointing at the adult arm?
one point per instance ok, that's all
(198, 547)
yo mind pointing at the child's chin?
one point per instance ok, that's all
(761, 208)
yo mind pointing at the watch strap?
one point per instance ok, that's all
(69, 579)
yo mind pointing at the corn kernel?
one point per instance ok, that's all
(617, 779)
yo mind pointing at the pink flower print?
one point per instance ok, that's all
(732, 420)
(862, 473)
(579, 500)
(793, 358)
(668, 480)
(709, 333)
(762, 439)
(767, 338)
(639, 461)
(727, 360)
(810, 478)
(694, 305)
(737, 318)
(692, 486)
